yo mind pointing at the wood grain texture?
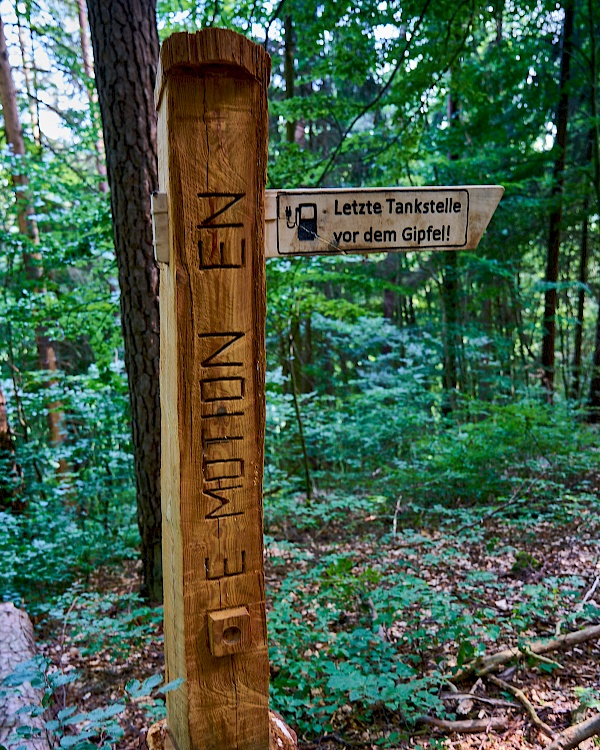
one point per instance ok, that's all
(212, 131)
(281, 737)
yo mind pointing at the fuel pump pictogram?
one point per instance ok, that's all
(305, 218)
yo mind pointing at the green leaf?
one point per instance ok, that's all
(100, 714)
(63, 713)
(63, 678)
(27, 731)
(173, 685)
(151, 682)
(72, 740)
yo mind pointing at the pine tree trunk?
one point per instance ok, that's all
(88, 69)
(560, 146)
(125, 43)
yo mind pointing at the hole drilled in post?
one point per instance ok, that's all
(232, 635)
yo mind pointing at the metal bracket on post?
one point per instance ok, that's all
(160, 227)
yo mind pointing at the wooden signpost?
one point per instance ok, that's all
(209, 219)
(211, 97)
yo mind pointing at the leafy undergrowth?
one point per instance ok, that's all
(370, 611)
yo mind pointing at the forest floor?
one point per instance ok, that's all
(544, 575)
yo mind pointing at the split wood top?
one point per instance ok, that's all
(210, 47)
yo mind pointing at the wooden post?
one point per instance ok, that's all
(211, 96)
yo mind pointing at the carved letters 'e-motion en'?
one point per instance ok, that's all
(211, 99)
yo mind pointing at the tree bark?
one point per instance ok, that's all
(560, 147)
(125, 43)
(88, 69)
(17, 645)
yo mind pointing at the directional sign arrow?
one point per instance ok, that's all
(371, 220)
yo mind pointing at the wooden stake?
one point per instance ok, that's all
(211, 96)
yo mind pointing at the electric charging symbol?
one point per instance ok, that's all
(305, 219)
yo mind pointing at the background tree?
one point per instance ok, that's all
(125, 43)
(552, 263)
(28, 227)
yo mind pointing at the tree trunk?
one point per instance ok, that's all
(11, 474)
(289, 74)
(88, 69)
(17, 645)
(450, 330)
(583, 264)
(27, 226)
(594, 397)
(125, 43)
(14, 137)
(389, 271)
(560, 147)
(32, 97)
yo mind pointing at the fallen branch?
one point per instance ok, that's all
(525, 702)
(483, 665)
(474, 697)
(574, 735)
(588, 595)
(466, 726)
(542, 659)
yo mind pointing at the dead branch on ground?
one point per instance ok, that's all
(478, 698)
(575, 735)
(466, 726)
(525, 702)
(483, 665)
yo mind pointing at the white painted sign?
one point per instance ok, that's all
(321, 222)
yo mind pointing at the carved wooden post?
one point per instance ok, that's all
(212, 103)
